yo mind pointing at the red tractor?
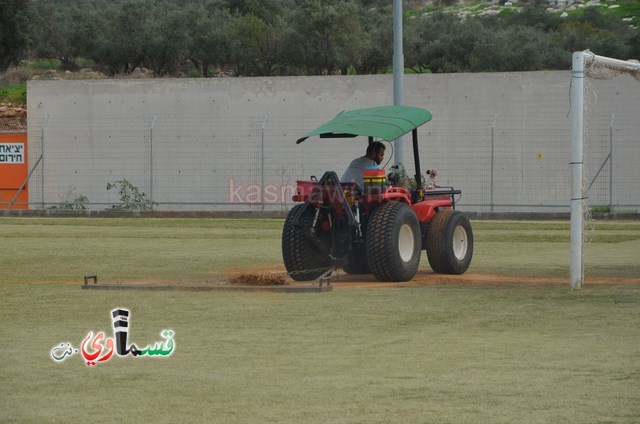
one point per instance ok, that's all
(380, 228)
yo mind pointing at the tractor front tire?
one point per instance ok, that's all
(303, 259)
(394, 242)
(449, 242)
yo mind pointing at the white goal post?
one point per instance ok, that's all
(585, 64)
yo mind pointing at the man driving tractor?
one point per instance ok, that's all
(355, 171)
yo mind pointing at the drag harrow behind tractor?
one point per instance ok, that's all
(380, 228)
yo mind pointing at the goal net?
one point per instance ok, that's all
(586, 65)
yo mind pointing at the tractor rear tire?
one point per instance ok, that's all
(303, 259)
(449, 242)
(393, 242)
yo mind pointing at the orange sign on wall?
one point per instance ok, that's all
(14, 169)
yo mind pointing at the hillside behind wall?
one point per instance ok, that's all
(229, 143)
(13, 118)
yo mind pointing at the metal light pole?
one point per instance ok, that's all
(398, 73)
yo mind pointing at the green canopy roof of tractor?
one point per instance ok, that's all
(384, 122)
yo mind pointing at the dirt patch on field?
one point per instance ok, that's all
(259, 279)
(342, 280)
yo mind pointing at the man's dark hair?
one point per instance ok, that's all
(375, 147)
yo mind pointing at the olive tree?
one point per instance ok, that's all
(377, 55)
(63, 31)
(258, 46)
(209, 38)
(121, 37)
(326, 36)
(166, 40)
(14, 24)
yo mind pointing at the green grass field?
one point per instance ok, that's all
(438, 352)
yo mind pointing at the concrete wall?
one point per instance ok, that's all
(211, 144)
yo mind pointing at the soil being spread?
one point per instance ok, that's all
(341, 279)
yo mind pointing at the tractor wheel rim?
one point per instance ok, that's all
(405, 243)
(460, 242)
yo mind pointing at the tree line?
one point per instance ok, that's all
(297, 37)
